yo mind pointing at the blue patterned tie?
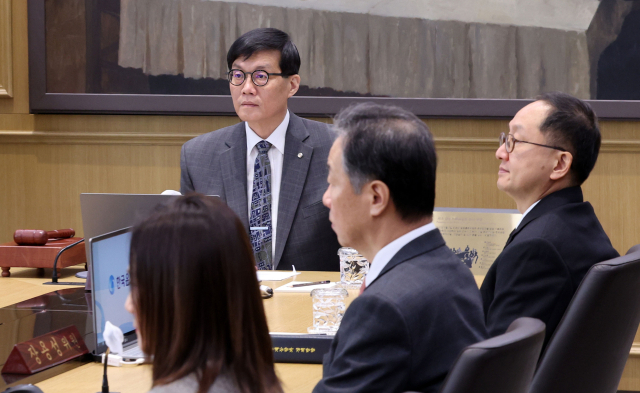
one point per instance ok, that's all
(260, 219)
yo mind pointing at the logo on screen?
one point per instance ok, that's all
(112, 285)
(119, 282)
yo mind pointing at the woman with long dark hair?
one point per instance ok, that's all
(196, 301)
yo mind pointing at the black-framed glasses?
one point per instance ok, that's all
(259, 77)
(509, 142)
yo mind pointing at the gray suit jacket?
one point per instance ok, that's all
(216, 164)
(408, 326)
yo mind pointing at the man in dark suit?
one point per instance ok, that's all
(271, 168)
(421, 305)
(551, 148)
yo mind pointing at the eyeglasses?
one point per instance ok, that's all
(509, 142)
(259, 77)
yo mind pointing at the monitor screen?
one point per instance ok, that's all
(110, 255)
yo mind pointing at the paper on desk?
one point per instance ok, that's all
(288, 287)
(170, 192)
(275, 275)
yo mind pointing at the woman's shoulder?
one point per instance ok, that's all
(223, 384)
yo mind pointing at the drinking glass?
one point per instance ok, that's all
(328, 309)
(353, 268)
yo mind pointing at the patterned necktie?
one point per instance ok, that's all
(260, 219)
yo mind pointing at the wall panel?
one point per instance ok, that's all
(49, 159)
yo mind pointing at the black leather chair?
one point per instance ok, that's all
(590, 346)
(502, 364)
(633, 249)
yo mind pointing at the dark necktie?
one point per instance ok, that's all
(511, 235)
(260, 218)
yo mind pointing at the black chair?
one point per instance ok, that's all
(502, 364)
(590, 346)
(633, 249)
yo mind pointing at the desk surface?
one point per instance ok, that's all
(286, 312)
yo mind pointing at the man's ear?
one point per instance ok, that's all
(294, 84)
(380, 197)
(562, 165)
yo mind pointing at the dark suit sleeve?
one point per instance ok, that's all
(371, 352)
(531, 281)
(186, 185)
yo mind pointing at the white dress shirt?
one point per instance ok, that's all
(527, 212)
(276, 159)
(390, 250)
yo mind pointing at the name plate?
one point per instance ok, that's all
(45, 351)
(300, 348)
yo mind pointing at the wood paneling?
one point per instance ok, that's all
(6, 53)
(48, 160)
(41, 184)
(19, 102)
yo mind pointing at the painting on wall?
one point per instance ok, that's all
(455, 58)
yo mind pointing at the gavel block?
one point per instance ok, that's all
(14, 255)
(38, 237)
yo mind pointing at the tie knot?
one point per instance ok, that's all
(263, 147)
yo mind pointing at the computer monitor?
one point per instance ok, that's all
(111, 285)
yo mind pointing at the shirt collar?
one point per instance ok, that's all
(276, 138)
(527, 212)
(387, 252)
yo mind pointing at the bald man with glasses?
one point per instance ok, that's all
(551, 148)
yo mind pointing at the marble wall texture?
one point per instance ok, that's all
(363, 53)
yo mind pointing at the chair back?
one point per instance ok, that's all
(633, 249)
(502, 364)
(589, 348)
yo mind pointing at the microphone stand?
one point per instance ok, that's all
(54, 276)
(105, 382)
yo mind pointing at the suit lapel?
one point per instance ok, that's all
(548, 203)
(294, 174)
(233, 163)
(420, 245)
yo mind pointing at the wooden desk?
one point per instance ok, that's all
(286, 312)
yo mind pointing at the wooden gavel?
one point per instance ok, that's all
(38, 237)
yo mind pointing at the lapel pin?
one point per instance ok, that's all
(299, 155)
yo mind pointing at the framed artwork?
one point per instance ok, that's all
(461, 58)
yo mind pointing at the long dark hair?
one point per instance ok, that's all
(197, 299)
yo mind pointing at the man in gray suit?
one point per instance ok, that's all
(271, 168)
(419, 305)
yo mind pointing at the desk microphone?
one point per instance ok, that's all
(105, 382)
(54, 276)
(38, 237)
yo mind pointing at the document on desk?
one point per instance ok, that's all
(275, 275)
(289, 287)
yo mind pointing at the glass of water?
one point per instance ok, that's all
(353, 268)
(328, 309)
